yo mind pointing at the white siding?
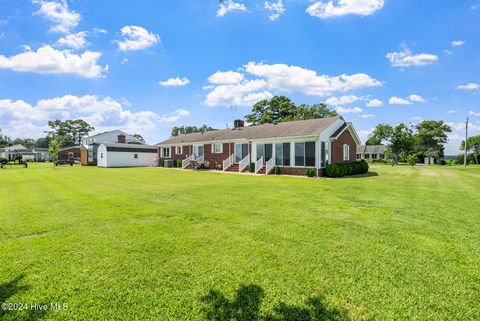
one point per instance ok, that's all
(123, 159)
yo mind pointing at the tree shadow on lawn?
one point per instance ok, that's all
(9, 289)
(368, 174)
(246, 307)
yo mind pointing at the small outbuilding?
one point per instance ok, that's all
(126, 155)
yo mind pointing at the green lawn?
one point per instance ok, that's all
(160, 244)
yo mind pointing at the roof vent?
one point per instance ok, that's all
(121, 139)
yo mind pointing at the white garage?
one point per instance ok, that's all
(126, 155)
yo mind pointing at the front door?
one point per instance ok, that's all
(241, 151)
(197, 151)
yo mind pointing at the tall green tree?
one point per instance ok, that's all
(373, 141)
(473, 145)
(69, 132)
(139, 137)
(280, 109)
(430, 138)
(399, 139)
(4, 140)
(182, 130)
(53, 151)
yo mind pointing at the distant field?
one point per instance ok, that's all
(166, 244)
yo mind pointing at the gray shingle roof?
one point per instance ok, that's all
(132, 146)
(371, 149)
(309, 127)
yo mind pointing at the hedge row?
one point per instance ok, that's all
(345, 169)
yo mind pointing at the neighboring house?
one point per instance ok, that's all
(293, 146)
(371, 152)
(110, 137)
(12, 152)
(126, 155)
(41, 155)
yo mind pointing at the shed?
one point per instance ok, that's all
(125, 155)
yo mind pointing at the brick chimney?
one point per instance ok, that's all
(121, 139)
(238, 123)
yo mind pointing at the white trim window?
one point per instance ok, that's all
(346, 152)
(178, 150)
(165, 152)
(217, 148)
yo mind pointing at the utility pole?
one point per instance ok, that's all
(466, 149)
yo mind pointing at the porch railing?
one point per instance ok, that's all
(227, 163)
(243, 163)
(258, 165)
(187, 161)
(200, 159)
(269, 165)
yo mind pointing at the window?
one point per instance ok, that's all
(241, 151)
(374, 156)
(279, 154)
(346, 152)
(260, 151)
(217, 148)
(310, 154)
(286, 154)
(101, 155)
(135, 155)
(70, 154)
(367, 156)
(166, 152)
(178, 150)
(299, 154)
(382, 156)
(358, 156)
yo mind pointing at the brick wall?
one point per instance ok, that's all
(186, 151)
(337, 148)
(215, 159)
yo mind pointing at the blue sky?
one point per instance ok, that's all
(146, 66)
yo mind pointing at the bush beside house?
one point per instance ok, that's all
(346, 169)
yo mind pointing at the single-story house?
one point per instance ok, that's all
(41, 154)
(13, 152)
(371, 152)
(293, 146)
(125, 155)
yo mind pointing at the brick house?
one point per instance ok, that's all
(293, 146)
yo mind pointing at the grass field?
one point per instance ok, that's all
(160, 244)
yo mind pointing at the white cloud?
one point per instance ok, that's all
(58, 12)
(457, 43)
(374, 103)
(293, 78)
(417, 118)
(177, 81)
(100, 30)
(231, 87)
(473, 113)
(416, 98)
(276, 9)
(75, 40)
(470, 86)
(343, 100)
(398, 101)
(176, 115)
(242, 94)
(228, 6)
(366, 116)
(349, 110)
(451, 112)
(104, 113)
(225, 77)
(2, 35)
(47, 60)
(406, 58)
(338, 8)
(136, 38)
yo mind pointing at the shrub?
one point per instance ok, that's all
(277, 170)
(379, 161)
(3, 160)
(310, 172)
(344, 169)
(179, 163)
(251, 167)
(29, 161)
